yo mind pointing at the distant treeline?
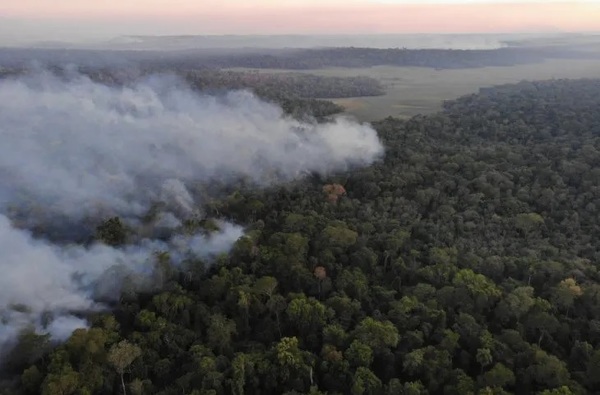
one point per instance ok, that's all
(264, 84)
(298, 94)
(298, 59)
(291, 84)
(367, 57)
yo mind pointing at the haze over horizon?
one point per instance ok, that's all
(23, 21)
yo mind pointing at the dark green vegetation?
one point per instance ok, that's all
(264, 84)
(463, 263)
(290, 84)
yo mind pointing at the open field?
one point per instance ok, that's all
(414, 90)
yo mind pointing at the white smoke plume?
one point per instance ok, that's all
(73, 149)
(79, 147)
(39, 277)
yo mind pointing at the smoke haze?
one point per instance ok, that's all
(78, 146)
(73, 149)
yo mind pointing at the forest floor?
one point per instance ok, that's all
(416, 90)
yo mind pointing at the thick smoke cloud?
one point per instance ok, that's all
(74, 150)
(39, 277)
(79, 147)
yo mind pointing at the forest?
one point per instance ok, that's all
(300, 95)
(291, 84)
(297, 85)
(464, 262)
(297, 59)
(402, 57)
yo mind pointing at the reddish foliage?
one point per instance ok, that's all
(334, 191)
(320, 272)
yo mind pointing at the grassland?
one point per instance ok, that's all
(413, 90)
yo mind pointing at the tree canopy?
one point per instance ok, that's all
(462, 263)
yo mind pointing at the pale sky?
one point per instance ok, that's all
(89, 19)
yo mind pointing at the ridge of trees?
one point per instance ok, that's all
(299, 59)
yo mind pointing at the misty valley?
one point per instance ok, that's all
(226, 222)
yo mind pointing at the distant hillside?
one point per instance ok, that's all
(296, 59)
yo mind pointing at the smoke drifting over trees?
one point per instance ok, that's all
(74, 150)
(77, 145)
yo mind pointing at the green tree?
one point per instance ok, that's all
(121, 356)
(546, 371)
(365, 382)
(359, 354)
(484, 357)
(379, 335)
(62, 382)
(112, 232)
(307, 314)
(593, 371)
(499, 376)
(339, 236)
(290, 359)
(516, 304)
(564, 390)
(240, 366)
(480, 288)
(565, 294)
(31, 379)
(220, 332)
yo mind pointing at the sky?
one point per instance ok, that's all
(78, 20)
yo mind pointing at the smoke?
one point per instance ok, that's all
(39, 277)
(78, 147)
(73, 150)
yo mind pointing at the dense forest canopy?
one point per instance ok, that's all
(462, 263)
(265, 84)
